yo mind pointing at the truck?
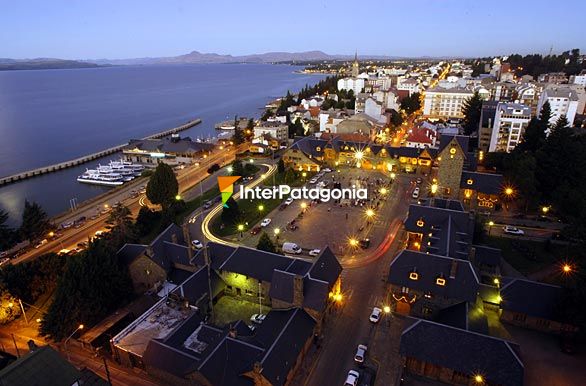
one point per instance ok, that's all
(291, 248)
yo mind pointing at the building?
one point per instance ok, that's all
(375, 109)
(457, 356)
(553, 77)
(510, 122)
(354, 84)
(563, 101)
(172, 151)
(276, 130)
(445, 103)
(43, 366)
(355, 66)
(409, 84)
(173, 341)
(579, 79)
(421, 136)
(487, 116)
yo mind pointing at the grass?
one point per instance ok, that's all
(250, 214)
(528, 256)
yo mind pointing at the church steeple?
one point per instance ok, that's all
(355, 65)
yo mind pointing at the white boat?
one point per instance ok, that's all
(98, 178)
(116, 165)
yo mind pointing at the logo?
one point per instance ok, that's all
(319, 192)
(226, 185)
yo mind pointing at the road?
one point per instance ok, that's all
(69, 239)
(348, 326)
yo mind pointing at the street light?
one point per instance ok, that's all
(383, 191)
(80, 327)
(51, 234)
(387, 309)
(567, 268)
(393, 175)
(353, 242)
(434, 188)
(545, 209)
(178, 197)
(240, 229)
(230, 169)
(277, 231)
(509, 191)
(304, 206)
(261, 207)
(479, 379)
(490, 225)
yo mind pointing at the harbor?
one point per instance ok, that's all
(90, 157)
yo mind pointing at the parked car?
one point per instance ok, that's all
(66, 225)
(257, 318)
(419, 180)
(314, 252)
(352, 378)
(291, 248)
(196, 244)
(327, 170)
(313, 180)
(3, 254)
(375, 315)
(265, 223)
(360, 353)
(207, 204)
(415, 192)
(288, 201)
(511, 230)
(41, 243)
(365, 243)
(255, 230)
(4, 260)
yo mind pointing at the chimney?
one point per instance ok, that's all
(453, 269)
(232, 333)
(174, 238)
(298, 291)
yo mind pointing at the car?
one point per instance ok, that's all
(196, 244)
(255, 230)
(313, 180)
(419, 180)
(314, 252)
(257, 318)
(375, 315)
(3, 254)
(63, 252)
(207, 204)
(511, 230)
(415, 192)
(98, 233)
(365, 243)
(5, 260)
(289, 201)
(41, 243)
(66, 225)
(265, 223)
(83, 244)
(327, 170)
(352, 378)
(360, 353)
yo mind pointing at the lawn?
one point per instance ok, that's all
(529, 256)
(249, 209)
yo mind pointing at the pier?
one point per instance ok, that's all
(81, 160)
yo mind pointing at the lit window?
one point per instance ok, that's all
(470, 181)
(420, 223)
(453, 150)
(413, 275)
(318, 148)
(440, 281)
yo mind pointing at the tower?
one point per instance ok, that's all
(355, 66)
(451, 163)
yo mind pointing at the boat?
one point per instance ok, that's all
(98, 178)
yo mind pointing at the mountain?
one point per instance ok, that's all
(198, 57)
(42, 64)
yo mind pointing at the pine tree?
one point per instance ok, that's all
(162, 187)
(472, 108)
(281, 166)
(35, 222)
(230, 212)
(533, 137)
(6, 233)
(545, 115)
(266, 244)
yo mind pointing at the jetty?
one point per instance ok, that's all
(81, 160)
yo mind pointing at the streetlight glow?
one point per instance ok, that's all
(393, 175)
(303, 205)
(261, 207)
(240, 227)
(369, 212)
(358, 155)
(178, 197)
(567, 268)
(277, 231)
(230, 169)
(479, 379)
(491, 223)
(434, 188)
(545, 209)
(353, 242)
(383, 191)
(509, 191)
(386, 309)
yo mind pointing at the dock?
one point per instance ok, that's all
(81, 160)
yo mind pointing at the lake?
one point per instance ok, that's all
(49, 116)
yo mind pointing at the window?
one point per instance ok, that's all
(420, 222)
(318, 148)
(453, 150)
(470, 181)
(427, 295)
(440, 281)
(413, 275)
(405, 290)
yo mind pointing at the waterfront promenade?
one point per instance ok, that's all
(81, 160)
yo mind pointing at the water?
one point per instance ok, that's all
(50, 116)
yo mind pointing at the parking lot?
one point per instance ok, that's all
(315, 224)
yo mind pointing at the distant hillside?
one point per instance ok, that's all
(42, 64)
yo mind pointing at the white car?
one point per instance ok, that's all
(360, 353)
(313, 180)
(415, 192)
(265, 222)
(375, 315)
(513, 230)
(314, 252)
(288, 201)
(352, 378)
(327, 170)
(197, 244)
(257, 318)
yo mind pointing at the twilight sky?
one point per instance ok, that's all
(81, 29)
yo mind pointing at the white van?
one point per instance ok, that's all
(415, 192)
(291, 248)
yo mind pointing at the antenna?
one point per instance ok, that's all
(550, 49)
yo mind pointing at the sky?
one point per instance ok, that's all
(117, 29)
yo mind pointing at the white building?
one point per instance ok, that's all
(276, 130)
(409, 84)
(510, 122)
(563, 101)
(374, 109)
(354, 84)
(579, 79)
(445, 103)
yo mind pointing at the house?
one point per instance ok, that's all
(421, 137)
(531, 304)
(440, 102)
(563, 100)
(423, 284)
(43, 366)
(456, 356)
(276, 130)
(553, 77)
(172, 151)
(408, 84)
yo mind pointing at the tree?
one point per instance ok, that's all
(6, 233)
(545, 115)
(238, 136)
(533, 137)
(281, 166)
(162, 187)
(396, 118)
(35, 222)
(561, 123)
(121, 221)
(147, 220)
(296, 128)
(472, 108)
(411, 103)
(265, 243)
(230, 212)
